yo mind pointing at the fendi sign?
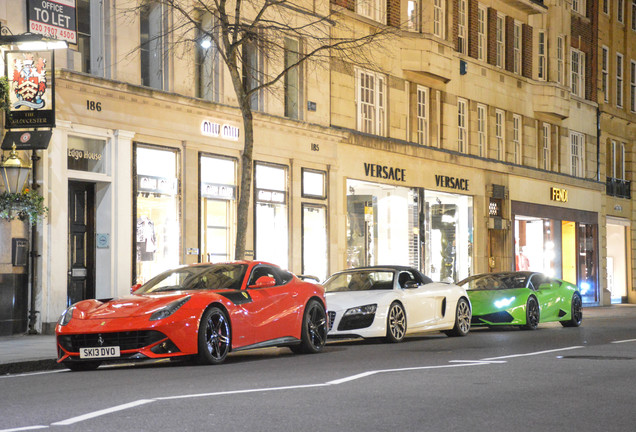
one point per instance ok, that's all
(559, 195)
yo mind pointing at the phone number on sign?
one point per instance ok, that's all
(54, 32)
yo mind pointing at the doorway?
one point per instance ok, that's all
(81, 241)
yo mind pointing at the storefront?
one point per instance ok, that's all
(271, 223)
(618, 252)
(559, 242)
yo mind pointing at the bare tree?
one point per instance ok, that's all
(242, 30)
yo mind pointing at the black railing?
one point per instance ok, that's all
(618, 188)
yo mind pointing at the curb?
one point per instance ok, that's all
(29, 366)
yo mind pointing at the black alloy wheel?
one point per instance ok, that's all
(532, 314)
(214, 336)
(314, 329)
(577, 312)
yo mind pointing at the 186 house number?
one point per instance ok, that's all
(93, 106)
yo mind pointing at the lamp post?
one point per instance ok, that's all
(14, 172)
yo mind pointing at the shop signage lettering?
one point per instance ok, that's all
(210, 190)
(78, 154)
(53, 18)
(559, 195)
(384, 172)
(217, 130)
(157, 185)
(451, 182)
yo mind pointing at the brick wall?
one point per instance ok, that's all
(526, 46)
(455, 25)
(584, 38)
(392, 13)
(510, 36)
(492, 36)
(473, 27)
(347, 4)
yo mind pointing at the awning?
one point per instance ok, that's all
(37, 140)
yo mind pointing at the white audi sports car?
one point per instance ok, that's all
(393, 301)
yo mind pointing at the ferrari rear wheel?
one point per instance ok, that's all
(314, 329)
(462, 319)
(532, 314)
(82, 366)
(577, 312)
(396, 323)
(214, 336)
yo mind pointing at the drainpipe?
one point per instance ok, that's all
(33, 314)
(598, 144)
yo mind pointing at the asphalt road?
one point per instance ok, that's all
(554, 378)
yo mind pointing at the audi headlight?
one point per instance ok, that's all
(169, 309)
(362, 310)
(66, 316)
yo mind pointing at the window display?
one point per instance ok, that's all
(157, 235)
(218, 220)
(272, 233)
(315, 241)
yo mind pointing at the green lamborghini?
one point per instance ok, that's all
(522, 299)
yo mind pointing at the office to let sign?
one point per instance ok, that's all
(53, 18)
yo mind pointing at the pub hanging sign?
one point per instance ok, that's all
(31, 89)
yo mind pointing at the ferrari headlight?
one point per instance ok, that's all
(505, 302)
(66, 316)
(169, 309)
(362, 310)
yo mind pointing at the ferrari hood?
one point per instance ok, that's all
(136, 305)
(348, 299)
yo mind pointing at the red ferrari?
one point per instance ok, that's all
(201, 310)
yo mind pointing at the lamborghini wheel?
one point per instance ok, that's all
(82, 366)
(462, 319)
(576, 314)
(395, 323)
(532, 314)
(214, 336)
(314, 329)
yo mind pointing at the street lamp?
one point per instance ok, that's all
(14, 172)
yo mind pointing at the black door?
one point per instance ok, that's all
(81, 241)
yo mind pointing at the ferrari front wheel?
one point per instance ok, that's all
(214, 336)
(82, 366)
(462, 319)
(396, 323)
(576, 314)
(313, 329)
(532, 314)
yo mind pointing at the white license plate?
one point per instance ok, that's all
(99, 352)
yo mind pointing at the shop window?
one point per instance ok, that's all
(218, 208)
(157, 227)
(208, 60)
(314, 184)
(587, 262)
(315, 253)
(271, 219)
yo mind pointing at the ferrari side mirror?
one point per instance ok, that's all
(135, 288)
(264, 282)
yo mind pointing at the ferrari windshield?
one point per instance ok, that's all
(496, 281)
(360, 281)
(209, 277)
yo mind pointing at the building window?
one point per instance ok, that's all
(516, 47)
(271, 223)
(517, 138)
(83, 9)
(621, 164)
(619, 80)
(373, 9)
(578, 6)
(422, 115)
(605, 6)
(462, 129)
(293, 79)
(253, 73)
(462, 27)
(501, 41)
(560, 57)
(542, 57)
(615, 160)
(218, 208)
(634, 15)
(547, 147)
(157, 219)
(152, 50)
(208, 60)
(371, 93)
(500, 118)
(413, 15)
(482, 30)
(577, 77)
(632, 86)
(314, 224)
(577, 153)
(620, 11)
(314, 184)
(605, 73)
(439, 18)
(482, 131)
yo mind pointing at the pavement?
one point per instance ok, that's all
(29, 353)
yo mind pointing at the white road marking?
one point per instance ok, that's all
(533, 353)
(26, 428)
(624, 341)
(231, 392)
(31, 374)
(479, 361)
(102, 412)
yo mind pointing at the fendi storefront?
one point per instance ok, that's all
(557, 234)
